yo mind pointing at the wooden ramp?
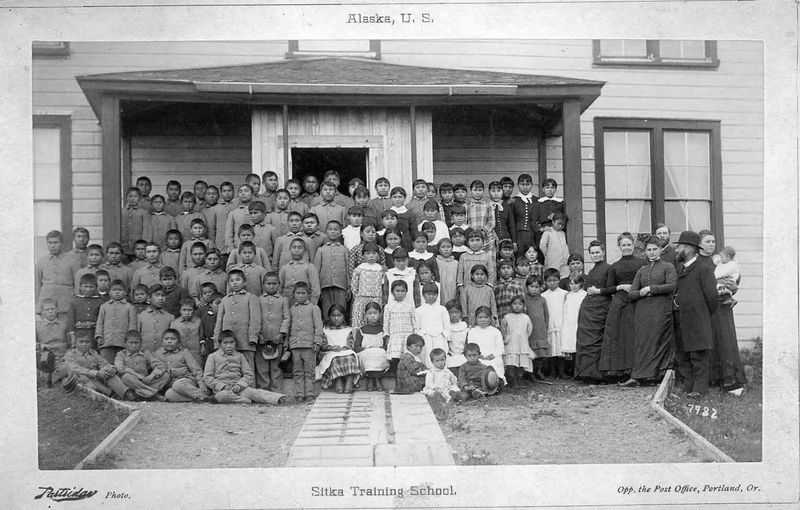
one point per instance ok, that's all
(370, 429)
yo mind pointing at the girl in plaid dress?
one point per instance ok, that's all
(339, 363)
(366, 283)
(368, 236)
(398, 322)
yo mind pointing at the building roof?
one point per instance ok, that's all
(338, 81)
(343, 71)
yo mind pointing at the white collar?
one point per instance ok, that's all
(690, 262)
(554, 199)
(399, 210)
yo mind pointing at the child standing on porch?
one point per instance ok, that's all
(188, 215)
(171, 254)
(332, 262)
(382, 200)
(135, 221)
(198, 235)
(160, 222)
(554, 246)
(305, 340)
(433, 322)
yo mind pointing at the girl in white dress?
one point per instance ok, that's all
(458, 336)
(555, 298)
(369, 343)
(339, 364)
(572, 305)
(489, 339)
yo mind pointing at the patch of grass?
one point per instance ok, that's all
(71, 426)
(472, 458)
(733, 424)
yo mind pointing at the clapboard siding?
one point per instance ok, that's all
(385, 131)
(55, 89)
(731, 94)
(189, 158)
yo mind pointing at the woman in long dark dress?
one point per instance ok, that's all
(727, 370)
(652, 290)
(616, 356)
(592, 316)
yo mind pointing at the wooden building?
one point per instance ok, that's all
(635, 132)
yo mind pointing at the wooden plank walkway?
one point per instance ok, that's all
(370, 429)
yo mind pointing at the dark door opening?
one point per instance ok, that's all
(350, 163)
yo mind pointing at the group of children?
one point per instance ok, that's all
(207, 293)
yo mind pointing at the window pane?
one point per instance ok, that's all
(623, 48)
(46, 217)
(682, 216)
(46, 163)
(687, 165)
(627, 216)
(695, 50)
(627, 157)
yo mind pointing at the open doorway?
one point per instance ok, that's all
(349, 162)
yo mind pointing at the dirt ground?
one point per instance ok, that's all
(71, 426)
(200, 436)
(566, 423)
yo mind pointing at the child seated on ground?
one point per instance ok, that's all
(473, 377)
(139, 370)
(439, 380)
(339, 365)
(93, 371)
(229, 376)
(411, 371)
(186, 383)
(727, 275)
(368, 342)
(489, 340)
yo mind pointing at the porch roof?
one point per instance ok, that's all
(339, 81)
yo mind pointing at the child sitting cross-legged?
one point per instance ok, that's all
(93, 371)
(441, 381)
(229, 376)
(187, 383)
(339, 363)
(139, 370)
(411, 371)
(474, 377)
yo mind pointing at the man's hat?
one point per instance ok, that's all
(69, 382)
(690, 238)
(271, 350)
(490, 382)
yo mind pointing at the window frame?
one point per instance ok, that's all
(653, 58)
(374, 52)
(64, 124)
(656, 128)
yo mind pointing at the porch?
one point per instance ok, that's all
(408, 122)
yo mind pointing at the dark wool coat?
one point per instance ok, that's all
(504, 225)
(696, 298)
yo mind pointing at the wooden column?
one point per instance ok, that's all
(112, 168)
(413, 117)
(541, 153)
(285, 119)
(571, 160)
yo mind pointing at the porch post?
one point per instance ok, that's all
(413, 116)
(541, 153)
(571, 160)
(112, 171)
(285, 120)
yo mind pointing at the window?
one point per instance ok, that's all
(654, 53)
(363, 48)
(50, 49)
(52, 179)
(657, 171)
